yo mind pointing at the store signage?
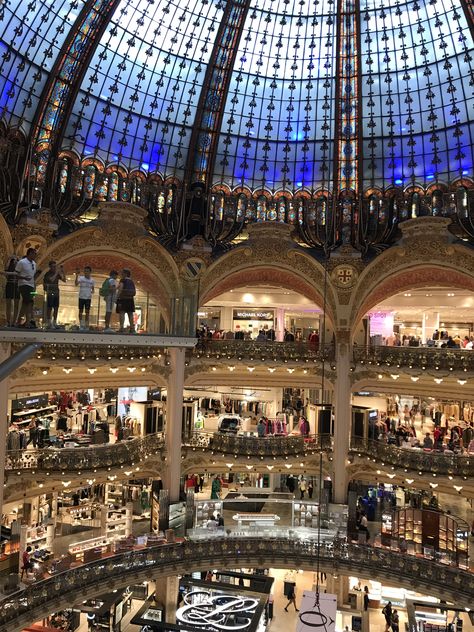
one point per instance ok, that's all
(154, 394)
(253, 314)
(211, 611)
(36, 401)
(317, 613)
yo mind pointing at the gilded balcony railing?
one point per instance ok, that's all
(80, 583)
(423, 358)
(432, 462)
(268, 446)
(265, 351)
(102, 456)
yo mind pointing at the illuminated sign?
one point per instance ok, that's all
(229, 613)
(253, 314)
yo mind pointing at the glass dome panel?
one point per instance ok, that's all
(137, 102)
(31, 36)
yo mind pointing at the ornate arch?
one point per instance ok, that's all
(269, 256)
(120, 237)
(426, 255)
(6, 242)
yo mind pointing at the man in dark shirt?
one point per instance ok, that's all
(51, 290)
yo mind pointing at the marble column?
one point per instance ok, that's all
(342, 419)
(174, 416)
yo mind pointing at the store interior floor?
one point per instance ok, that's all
(286, 621)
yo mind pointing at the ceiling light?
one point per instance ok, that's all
(380, 376)
(251, 368)
(271, 369)
(113, 369)
(457, 487)
(45, 371)
(414, 378)
(229, 465)
(131, 368)
(67, 370)
(434, 485)
(438, 380)
(409, 480)
(290, 370)
(394, 376)
(391, 475)
(462, 382)
(231, 368)
(214, 368)
(92, 371)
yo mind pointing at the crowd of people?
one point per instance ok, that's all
(22, 274)
(263, 335)
(440, 339)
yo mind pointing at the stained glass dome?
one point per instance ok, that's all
(327, 98)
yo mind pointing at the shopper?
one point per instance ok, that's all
(364, 525)
(387, 613)
(428, 442)
(310, 490)
(109, 293)
(12, 293)
(395, 621)
(261, 427)
(125, 301)
(26, 274)
(302, 488)
(291, 598)
(86, 290)
(51, 280)
(366, 598)
(216, 488)
(26, 562)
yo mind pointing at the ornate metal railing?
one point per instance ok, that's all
(434, 462)
(101, 456)
(239, 445)
(77, 584)
(269, 351)
(416, 358)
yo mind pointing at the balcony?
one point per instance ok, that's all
(268, 351)
(91, 458)
(424, 358)
(432, 462)
(258, 447)
(80, 583)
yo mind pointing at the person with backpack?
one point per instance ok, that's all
(108, 291)
(125, 300)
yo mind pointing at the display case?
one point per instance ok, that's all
(93, 549)
(116, 521)
(386, 529)
(207, 510)
(305, 514)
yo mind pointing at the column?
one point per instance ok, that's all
(4, 355)
(166, 594)
(227, 320)
(280, 324)
(342, 418)
(174, 417)
(429, 323)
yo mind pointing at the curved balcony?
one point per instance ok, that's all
(424, 358)
(415, 459)
(87, 458)
(80, 583)
(269, 351)
(239, 445)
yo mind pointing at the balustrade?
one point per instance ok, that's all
(415, 459)
(424, 358)
(136, 450)
(76, 584)
(266, 351)
(85, 458)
